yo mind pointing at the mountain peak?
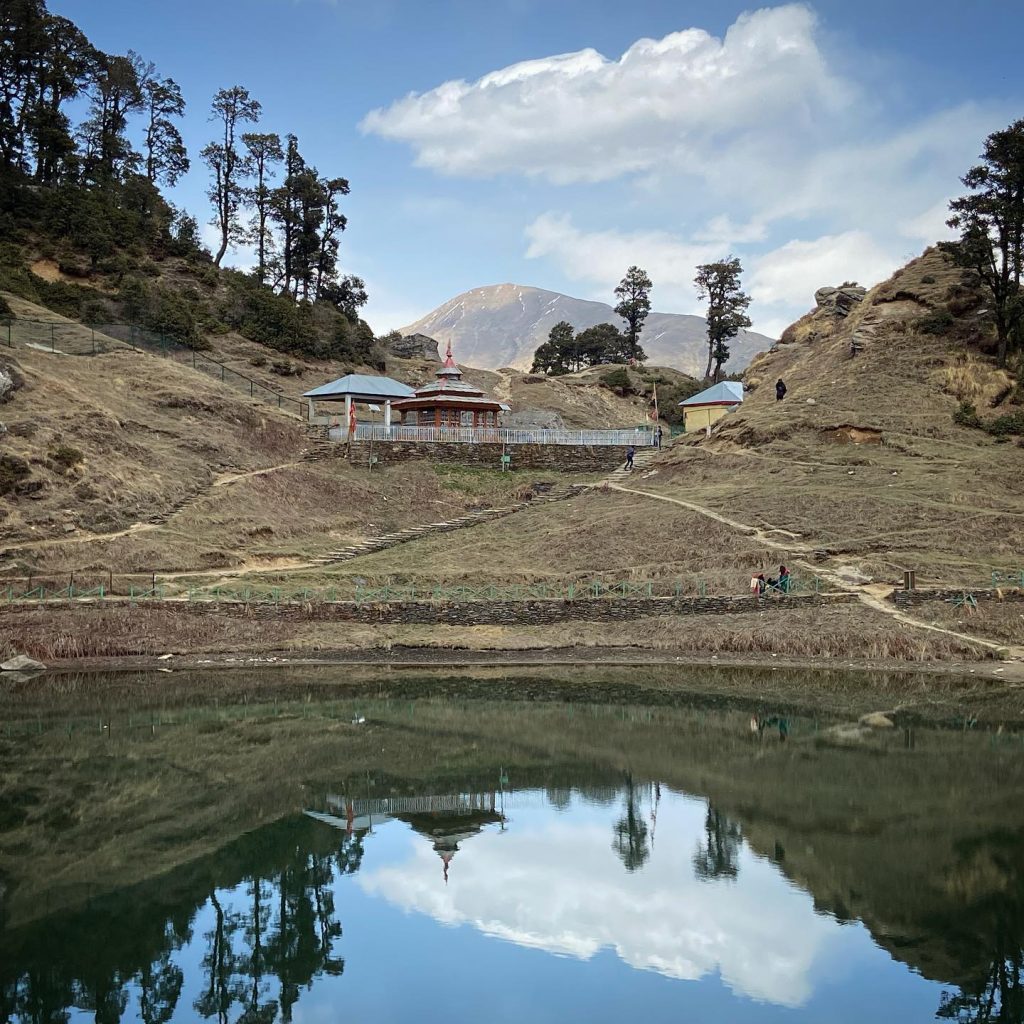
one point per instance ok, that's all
(503, 325)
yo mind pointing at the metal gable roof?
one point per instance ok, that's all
(361, 385)
(725, 392)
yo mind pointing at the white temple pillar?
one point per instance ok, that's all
(387, 415)
(312, 410)
(348, 414)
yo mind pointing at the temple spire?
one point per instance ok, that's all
(449, 369)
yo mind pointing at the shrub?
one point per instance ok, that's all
(617, 380)
(283, 368)
(967, 416)
(1008, 423)
(939, 321)
(65, 456)
(928, 279)
(12, 470)
(258, 361)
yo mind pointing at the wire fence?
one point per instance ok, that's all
(68, 338)
(1008, 579)
(148, 587)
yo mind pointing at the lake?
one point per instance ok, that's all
(327, 845)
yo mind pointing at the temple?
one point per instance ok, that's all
(449, 401)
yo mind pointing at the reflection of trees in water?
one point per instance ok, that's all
(260, 950)
(993, 927)
(718, 855)
(629, 835)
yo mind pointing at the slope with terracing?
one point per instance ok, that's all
(860, 474)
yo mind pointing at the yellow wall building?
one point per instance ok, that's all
(700, 411)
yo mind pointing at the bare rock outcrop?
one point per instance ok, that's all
(414, 346)
(839, 301)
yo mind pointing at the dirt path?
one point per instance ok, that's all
(224, 480)
(503, 389)
(85, 539)
(232, 478)
(873, 596)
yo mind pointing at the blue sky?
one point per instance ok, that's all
(817, 142)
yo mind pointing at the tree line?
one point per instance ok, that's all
(95, 184)
(568, 351)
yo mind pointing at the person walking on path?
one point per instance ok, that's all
(630, 452)
(780, 390)
(657, 437)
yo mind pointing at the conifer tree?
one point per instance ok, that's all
(265, 153)
(228, 167)
(719, 284)
(634, 294)
(165, 153)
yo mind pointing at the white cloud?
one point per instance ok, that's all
(789, 275)
(600, 258)
(582, 117)
(929, 226)
(563, 890)
(781, 281)
(753, 143)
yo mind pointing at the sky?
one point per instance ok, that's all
(555, 143)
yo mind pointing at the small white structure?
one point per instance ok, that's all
(359, 387)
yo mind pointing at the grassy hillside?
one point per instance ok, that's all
(870, 466)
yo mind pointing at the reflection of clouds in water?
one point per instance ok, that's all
(554, 885)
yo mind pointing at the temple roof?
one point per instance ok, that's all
(449, 387)
(361, 386)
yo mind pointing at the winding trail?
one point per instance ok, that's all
(224, 480)
(870, 597)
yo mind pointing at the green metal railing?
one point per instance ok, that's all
(139, 588)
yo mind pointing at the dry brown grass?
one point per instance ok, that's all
(846, 631)
(1001, 621)
(115, 631)
(829, 633)
(970, 379)
(599, 535)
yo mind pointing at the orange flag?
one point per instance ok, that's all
(352, 420)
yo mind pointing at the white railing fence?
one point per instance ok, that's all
(639, 438)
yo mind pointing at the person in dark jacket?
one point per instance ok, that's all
(780, 390)
(630, 452)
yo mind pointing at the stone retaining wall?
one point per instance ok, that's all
(563, 457)
(914, 598)
(472, 613)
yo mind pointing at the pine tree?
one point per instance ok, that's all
(991, 224)
(229, 168)
(634, 293)
(165, 153)
(264, 154)
(115, 92)
(719, 283)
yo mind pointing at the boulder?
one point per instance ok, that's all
(839, 301)
(414, 346)
(6, 384)
(877, 720)
(22, 663)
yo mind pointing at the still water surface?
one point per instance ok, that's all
(468, 861)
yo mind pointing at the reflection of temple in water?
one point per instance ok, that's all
(446, 820)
